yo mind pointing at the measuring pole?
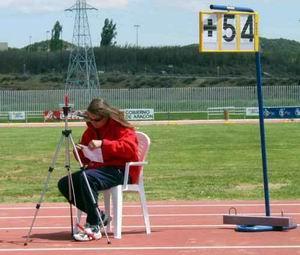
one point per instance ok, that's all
(260, 106)
(235, 29)
(262, 132)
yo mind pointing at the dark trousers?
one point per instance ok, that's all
(99, 179)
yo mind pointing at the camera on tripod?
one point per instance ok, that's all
(66, 106)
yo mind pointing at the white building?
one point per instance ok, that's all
(3, 46)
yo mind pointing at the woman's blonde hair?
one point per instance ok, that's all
(100, 107)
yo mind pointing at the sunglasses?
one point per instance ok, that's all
(87, 118)
(95, 119)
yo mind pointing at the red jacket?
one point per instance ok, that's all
(119, 145)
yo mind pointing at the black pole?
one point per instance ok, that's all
(262, 132)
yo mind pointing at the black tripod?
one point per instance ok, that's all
(66, 137)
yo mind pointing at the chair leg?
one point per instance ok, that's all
(145, 209)
(106, 195)
(117, 199)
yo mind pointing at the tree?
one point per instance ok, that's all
(108, 33)
(56, 43)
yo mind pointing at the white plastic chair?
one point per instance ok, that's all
(116, 193)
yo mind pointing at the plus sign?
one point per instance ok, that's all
(209, 27)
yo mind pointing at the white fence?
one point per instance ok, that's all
(159, 99)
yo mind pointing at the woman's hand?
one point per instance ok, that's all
(95, 144)
(78, 146)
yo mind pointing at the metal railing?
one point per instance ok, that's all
(28, 116)
(159, 99)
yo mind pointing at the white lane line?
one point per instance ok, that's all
(139, 248)
(151, 215)
(131, 226)
(157, 206)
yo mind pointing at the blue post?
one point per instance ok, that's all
(262, 132)
(260, 106)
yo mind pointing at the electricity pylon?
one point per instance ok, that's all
(82, 69)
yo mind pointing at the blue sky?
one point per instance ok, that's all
(162, 22)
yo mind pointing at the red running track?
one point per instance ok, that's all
(177, 228)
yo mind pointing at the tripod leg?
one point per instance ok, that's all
(69, 139)
(76, 151)
(89, 187)
(95, 205)
(70, 180)
(38, 205)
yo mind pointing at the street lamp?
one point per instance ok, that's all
(47, 39)
(30, 37)
(29, 53)
(47, 48)
(137, 45)
(137, 35)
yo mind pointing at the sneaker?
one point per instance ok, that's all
(88, 233)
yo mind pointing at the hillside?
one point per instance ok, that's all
(176, 66)
(119, 80)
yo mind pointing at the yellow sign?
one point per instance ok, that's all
(229, 31)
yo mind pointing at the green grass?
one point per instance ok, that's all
(186, 162)
(181, 116)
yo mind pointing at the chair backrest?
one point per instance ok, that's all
(144, 144)
(143, 148)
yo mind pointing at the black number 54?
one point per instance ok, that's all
(247, 30)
